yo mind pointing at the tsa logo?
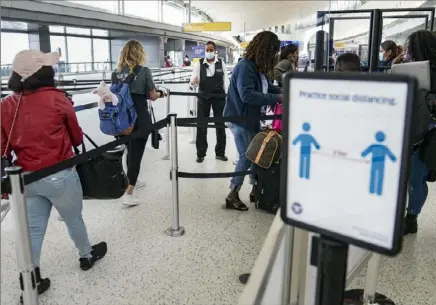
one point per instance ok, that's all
(297, 208)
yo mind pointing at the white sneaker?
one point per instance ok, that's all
(129, 200)
(139, 184)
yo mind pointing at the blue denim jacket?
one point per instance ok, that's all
(245, 97)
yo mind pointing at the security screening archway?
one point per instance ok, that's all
(317, 145)
(325, 41)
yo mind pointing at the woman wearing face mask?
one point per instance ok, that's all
(186, 61)
(210, 75)
(288, 61)
(388, 52)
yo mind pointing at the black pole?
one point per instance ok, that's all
(319, 50)
(332, 271)
(426, 23)
(432, 20)
(376, 27)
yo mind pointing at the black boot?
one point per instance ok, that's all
(253, 193)
(42, 284)
(410, 224)
(98, 252)
(234, 203)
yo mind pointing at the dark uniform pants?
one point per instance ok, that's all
(203, 111)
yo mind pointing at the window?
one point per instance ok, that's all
(57, 44)
(196, 18)
(172, 15)
(143, 9)
(12, 43)
(78, 31)
(101, 54)
(79, 54)
(56, 29)
(102, 33)
(110, 6)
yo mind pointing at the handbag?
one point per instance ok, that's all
(277, 123)
(102, 177)
(265, 148)
(5, 159)
(155, 135)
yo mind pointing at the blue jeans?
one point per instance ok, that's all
(418, 189)
(242, 138)
(63, 191)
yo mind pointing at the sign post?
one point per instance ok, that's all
(346, 155)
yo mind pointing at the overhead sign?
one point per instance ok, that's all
(346, 154)
(339, 44)
(244, 44)
(198, 51)
(207, 27)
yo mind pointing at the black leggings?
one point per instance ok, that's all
(136, 148)
(135, 151)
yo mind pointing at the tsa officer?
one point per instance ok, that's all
(210, 75)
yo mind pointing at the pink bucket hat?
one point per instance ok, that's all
(28, 62)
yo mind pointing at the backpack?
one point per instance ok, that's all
(427, 147)
(422, 116)
(119, 119)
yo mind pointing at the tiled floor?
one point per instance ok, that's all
(410, 277)
(143, 265)
(146, 267)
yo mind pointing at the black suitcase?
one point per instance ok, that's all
(268, 188)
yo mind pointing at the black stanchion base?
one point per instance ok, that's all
(355, 297)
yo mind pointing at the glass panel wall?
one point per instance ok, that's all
(12, 43)
(172, 15)
(78, 31)
(79, 54)
(101, 54)
(143, 9)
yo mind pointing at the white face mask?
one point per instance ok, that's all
(210, 55)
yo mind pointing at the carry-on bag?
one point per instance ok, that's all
(265, 148)
(267, 188)
(103, 177)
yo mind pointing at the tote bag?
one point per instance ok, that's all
(103, 177)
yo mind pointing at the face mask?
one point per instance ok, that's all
(380, 56)
(407, 57)
(210, 55)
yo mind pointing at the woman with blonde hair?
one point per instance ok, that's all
(132, 60)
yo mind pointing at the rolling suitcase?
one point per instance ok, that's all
(268, 188)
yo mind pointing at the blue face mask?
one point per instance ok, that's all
(380, 56)
(210, 55)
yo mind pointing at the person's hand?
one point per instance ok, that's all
(164, 93)
(196, 81)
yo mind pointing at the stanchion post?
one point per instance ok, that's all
(194, 114)
(371, 280)
(288, 270)
(23, 248)
(167, 135)
(175, 230)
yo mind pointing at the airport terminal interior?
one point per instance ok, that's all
(144, 265)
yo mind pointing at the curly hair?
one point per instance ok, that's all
(132, 54)
(263, 50)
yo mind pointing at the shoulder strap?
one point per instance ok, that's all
(12, 126)
(152, 113)
(131, 77)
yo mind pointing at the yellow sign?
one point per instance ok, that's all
(207, 27)
(339, 44)
(244, 44)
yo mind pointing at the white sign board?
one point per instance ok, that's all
(346, 157)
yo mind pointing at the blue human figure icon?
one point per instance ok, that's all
(379, 153)
(306, 141)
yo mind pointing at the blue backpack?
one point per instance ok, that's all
(120, 119)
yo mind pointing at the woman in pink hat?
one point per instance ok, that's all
(39, 125)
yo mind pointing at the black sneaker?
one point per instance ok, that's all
(410, 224)
(98, 252)
(200, 159)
